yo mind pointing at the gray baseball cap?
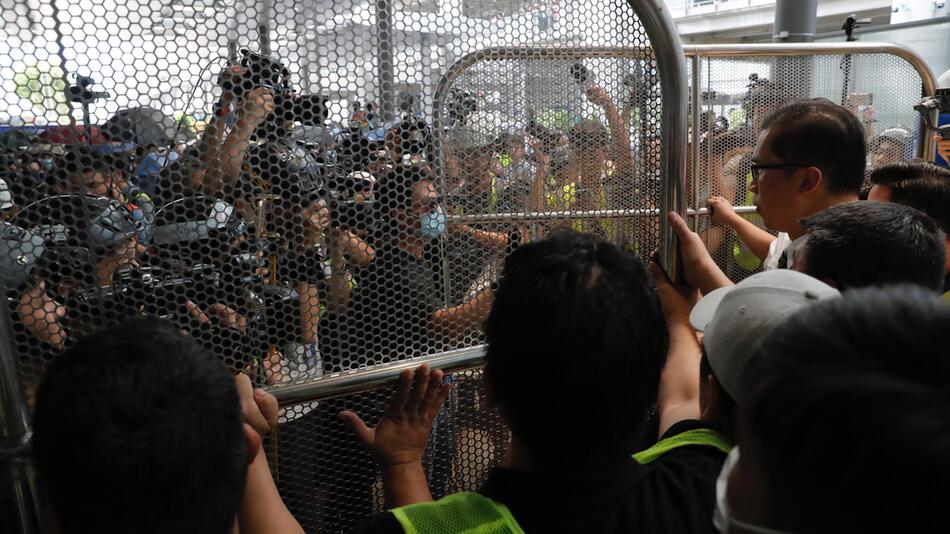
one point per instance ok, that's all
(735, 320)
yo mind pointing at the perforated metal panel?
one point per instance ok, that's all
(736, 93)
(289, 183)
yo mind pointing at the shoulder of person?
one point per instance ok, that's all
(687, 442)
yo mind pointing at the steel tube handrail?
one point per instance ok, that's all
(374, 377)
(580, 215)
(671, 69)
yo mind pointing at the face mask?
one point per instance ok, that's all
(433, 223)
(722, 519)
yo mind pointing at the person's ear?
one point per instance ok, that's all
(811, 179)
(253, 440)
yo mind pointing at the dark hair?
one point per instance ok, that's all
(576, 343)
(137, 429)
(864, 243)
(849, 408)
(918, 184)
(820, 133)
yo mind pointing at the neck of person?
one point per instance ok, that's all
(824, 202)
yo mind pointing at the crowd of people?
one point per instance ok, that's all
(626, 399)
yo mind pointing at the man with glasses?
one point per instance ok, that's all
(810, 155)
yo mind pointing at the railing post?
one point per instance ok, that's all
(668, 51)
(15, 429)
(696, 79)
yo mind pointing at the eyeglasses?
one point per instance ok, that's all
(756, 168)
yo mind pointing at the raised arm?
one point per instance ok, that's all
(225, 169)
(619, 134)
(262, 510)
(678, 399)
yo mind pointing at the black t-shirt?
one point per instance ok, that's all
(389, 314)
(675, 494)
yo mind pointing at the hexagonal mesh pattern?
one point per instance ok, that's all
(269, 177)
(736, 94)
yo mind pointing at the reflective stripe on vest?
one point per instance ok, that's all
(465, 512)
(700, 436)
(566, 198)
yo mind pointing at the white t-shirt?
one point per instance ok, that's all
(781, 243)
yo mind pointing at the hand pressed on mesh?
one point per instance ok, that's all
(403, 433)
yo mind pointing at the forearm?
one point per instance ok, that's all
(357, 250)
(210, 143)
(623, 154)
(679, 383)
(262, 510)
(458, 320)
(537, 188)
(225, 169)
(309, 312)
(757, 239)
(496, 241)
(405, 484)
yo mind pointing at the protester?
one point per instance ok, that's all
(734, 321)
(921, 185)
(578, 315)
(845, 386)
(872, 243)
(137, 429)
(810, 155)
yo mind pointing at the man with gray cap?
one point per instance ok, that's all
(734, 320)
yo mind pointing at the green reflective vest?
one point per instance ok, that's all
(471, 513)
(466, 512)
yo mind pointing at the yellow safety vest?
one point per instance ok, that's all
(471, 513)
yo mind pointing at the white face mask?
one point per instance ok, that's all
(722, 519)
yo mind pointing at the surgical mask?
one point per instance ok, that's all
(722, 518)
(433, 223)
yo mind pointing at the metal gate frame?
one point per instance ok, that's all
(696, 53)
(668, 51)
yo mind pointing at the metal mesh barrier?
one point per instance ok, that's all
(736, 93)
(282, 181)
